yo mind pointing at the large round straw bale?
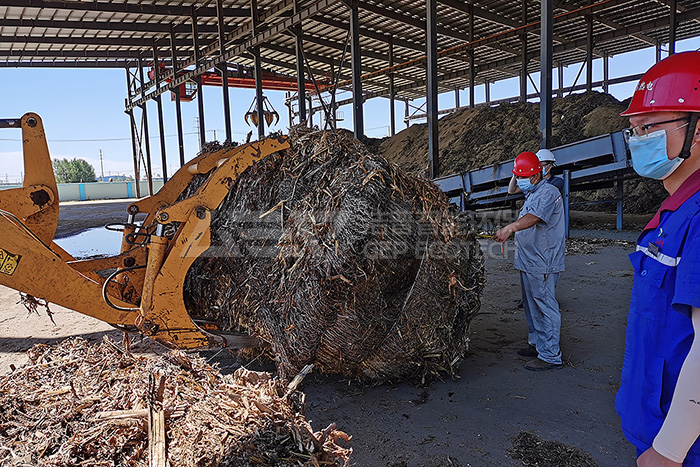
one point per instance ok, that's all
(336, 257)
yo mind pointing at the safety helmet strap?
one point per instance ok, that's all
(692, 125)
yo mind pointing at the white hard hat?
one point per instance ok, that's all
(545, 155)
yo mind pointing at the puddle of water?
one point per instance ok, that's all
(92, 242)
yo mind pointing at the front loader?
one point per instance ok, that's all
(144, 289)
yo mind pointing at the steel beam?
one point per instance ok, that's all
(150, 27)
(69, 64)
(130, 8)
(432, 88)
(311, 10)
(546, 64)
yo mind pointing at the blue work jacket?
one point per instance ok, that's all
(659, 329)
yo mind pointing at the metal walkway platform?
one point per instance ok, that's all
(600, 162)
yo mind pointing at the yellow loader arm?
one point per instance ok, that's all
(145, 288)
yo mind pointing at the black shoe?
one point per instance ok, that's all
(541, 365)
(520, 304)
(529, 351)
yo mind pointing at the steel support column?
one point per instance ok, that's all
(606, 72)
(472, 70)
(619, 198)
(546, 50)
(405, 113)
(673, 23)
(146, 136)
(560, 80)
(301, 81)
(392, 92)
(135, 151)
(523, 68)
(254, 16)
(356, 60)
(132, 124)
(567, 194)
(523, 54)
(159, 104)
(432, 91)
(589, 53)
(487, 91)
(223, 68)
(288, 103)
(457, 106)
(198, 79)
(311, 112)
(658, 51)
(178, 104)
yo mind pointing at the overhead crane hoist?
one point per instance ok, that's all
(144, 292)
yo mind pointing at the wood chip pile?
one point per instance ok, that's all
(84, 404)
(338, 258)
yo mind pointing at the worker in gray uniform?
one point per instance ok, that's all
(539, 256)
(548, 162)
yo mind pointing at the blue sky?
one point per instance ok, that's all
(83, 112)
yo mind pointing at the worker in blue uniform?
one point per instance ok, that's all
(659, 396)
(539, 256)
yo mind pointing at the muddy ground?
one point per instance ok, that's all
(469, 421)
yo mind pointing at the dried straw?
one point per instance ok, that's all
(336, 257)
(84, 404)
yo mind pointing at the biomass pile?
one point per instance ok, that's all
(85, 404)
(335, 257)
(473, 138)
(532, 450)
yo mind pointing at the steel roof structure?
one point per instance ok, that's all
(371, 47)
(115, 33)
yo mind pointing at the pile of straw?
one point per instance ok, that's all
(85, 404)
(335, 257)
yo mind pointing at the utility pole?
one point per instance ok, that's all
(102, 166)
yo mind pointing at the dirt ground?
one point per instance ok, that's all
(469, 421)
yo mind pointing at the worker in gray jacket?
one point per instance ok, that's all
(539, 256)
(547, 161)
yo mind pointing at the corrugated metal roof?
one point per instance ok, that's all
(115, 33)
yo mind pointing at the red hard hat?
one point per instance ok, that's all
(672, 85)
(526, 164)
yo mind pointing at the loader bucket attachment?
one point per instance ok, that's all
(145, 288)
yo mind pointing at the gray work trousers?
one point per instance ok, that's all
(542, 314)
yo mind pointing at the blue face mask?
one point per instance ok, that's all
(524, 184)
(649, 157)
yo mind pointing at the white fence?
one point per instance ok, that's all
(99, 190)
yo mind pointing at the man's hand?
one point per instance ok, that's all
(651, 458)
(504, 234)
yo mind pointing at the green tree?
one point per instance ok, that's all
(73, 171)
